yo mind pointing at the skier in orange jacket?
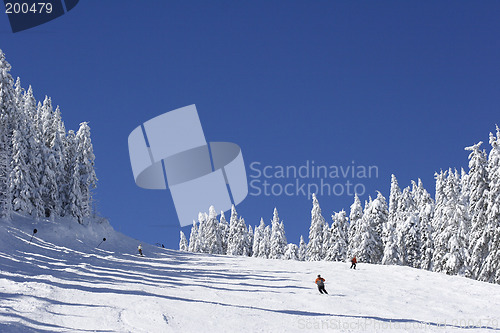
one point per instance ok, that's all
(321, 284)
(354, 261)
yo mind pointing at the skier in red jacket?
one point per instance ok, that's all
(321, 284)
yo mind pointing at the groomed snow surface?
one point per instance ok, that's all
(62, 283)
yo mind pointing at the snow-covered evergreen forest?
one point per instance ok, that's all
(45, 171)
(457, 233)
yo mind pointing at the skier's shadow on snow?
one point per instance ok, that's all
(110, 272)
(18, 320)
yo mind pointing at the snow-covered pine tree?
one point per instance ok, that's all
(408, 230)
(224, 231)
(477, 188)
(327, 242)
(18, 99)
(34, 173)
(344, 222)
(246, 247)
(425, 207)
(439, 221)
(315, 245)
(302, 249)
(464, 189)
(257, 237)
(368, 233)
(193, 236)
(380, 213)
(355, 216)
(72, 206)
(38, 123)
(29, 106)
(201, 242)
(450, 254)
(58, 146)
(34, 155)
(213, 241)
(49, 173)
(58, 171)
(237, 240)
(278, 239)
(233, 227)
(18, 168)
(401, 226)
(183, 243)
(490, 271)
(338, 245)
(21, 186)
(85, 160)
(249, 242)
(265, 243)
(233, 220)
(458, 256)
(389, 228)
(361, 227)
(291, 252)
(21, 182)
(7, 108)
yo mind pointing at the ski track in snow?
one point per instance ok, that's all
(62, 283)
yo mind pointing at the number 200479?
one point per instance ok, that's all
(25, 8)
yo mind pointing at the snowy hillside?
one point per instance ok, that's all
(62, 283)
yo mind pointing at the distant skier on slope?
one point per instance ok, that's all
(321, 284)
(139, 248)
(354, 261)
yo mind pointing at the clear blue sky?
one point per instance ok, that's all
(401, 85)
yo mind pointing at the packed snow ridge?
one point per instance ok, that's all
(61, 282)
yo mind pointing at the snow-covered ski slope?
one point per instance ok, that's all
(61, 283)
